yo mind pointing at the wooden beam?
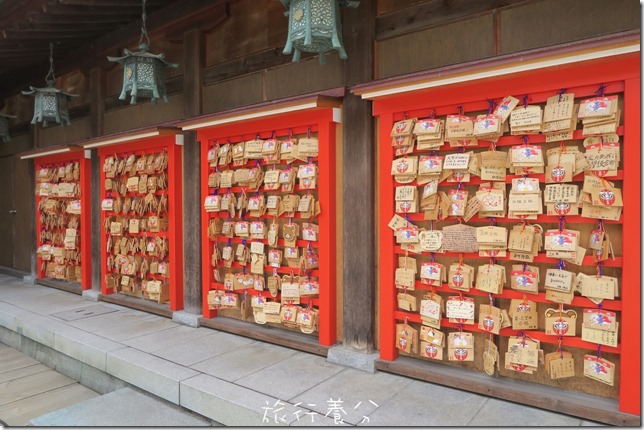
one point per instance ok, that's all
(62, 27)
(110, 3)
(70, 287)
(46, 35)
(62, 9)
(193, 60)
(12, 11)
(358, 189)
(94, 53)
(61, 19)
(137, 303)
(203, 22)
(245, 65)
(433, 12)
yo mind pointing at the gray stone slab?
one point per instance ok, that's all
(27, 296)
(84, 312)
(10, 338)
(19, 413)
(86, 347)
(99, 381)
(40, 329)
(59, 300)
(231, 404)
(307, 418)
(292, 376)
(22, 372)
(586, 423)
(59, 362)
(497, 412)
(202, 349)
(10, 315)
(122, 408)
(441, 406)
(21, 388)
(136, 329)
(169, 338)
(352, 358)
(10, 360)
(244, 361)
(186, 318)
(92, 295)
(357, 389)
(118, 318)
(150, 373)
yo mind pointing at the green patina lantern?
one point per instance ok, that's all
(50, 103)
(315, 26)
(4, 126)
(143, 72)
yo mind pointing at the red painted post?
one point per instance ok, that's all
(326, 250)
(39, 272)
(103, 154)
(86, 225)
(630, 373)
(386, 242)
(175, 232)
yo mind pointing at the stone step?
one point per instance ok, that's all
(122, 408)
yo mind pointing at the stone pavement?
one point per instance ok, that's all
(29, 389)
(231, 379)
(33, 394)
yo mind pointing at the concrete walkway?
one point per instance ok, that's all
(235, 380)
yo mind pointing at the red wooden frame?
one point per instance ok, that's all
(319, 120)
(175, 202)
(622, 73)
(85, 216)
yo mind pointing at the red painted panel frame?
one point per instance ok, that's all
(175, 203)
(322, 119)
(624, 71)
(85, 216)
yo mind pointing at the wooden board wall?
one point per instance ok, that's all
(17, 185)
(253, 26)
(405, 30)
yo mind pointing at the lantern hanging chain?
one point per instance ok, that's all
(144, 30)
(50, 73)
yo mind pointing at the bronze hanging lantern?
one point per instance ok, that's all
(315, 26)
(4, 127)
(143, 72)
(50, 103)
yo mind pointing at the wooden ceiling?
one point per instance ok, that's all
(83, 33)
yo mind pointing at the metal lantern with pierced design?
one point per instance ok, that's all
(50, 103)
(143, 72)
(4, 126)
(315, 26)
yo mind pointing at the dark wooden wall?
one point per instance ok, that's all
(243, 64)
(434, 33)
